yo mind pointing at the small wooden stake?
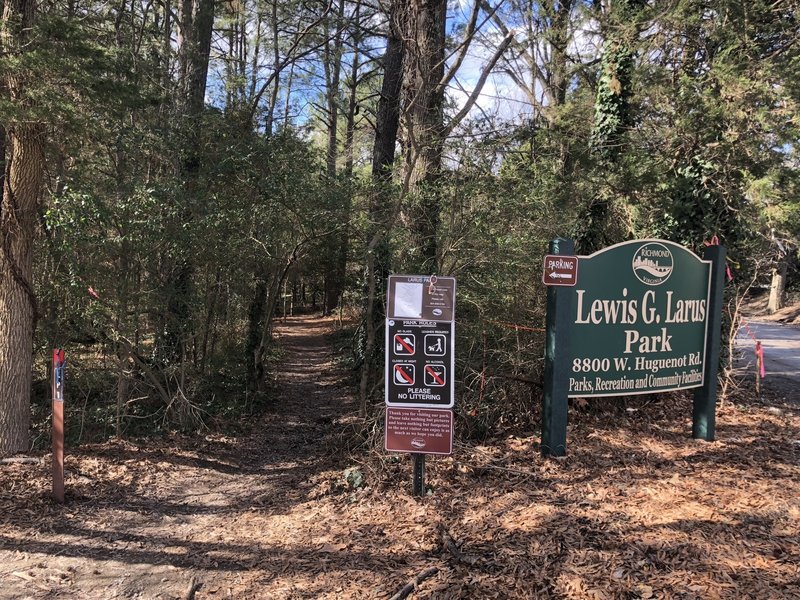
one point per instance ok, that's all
(412, 585)
(759, 366)
(58, 425)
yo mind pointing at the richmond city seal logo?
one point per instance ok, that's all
(652, 264)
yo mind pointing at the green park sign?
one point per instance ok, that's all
(639, 317)
(639, 322)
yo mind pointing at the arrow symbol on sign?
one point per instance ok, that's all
(555, 275)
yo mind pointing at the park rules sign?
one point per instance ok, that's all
(638, 322)
(420, 365)
(420, 335)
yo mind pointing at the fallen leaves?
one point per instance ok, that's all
(636, 510)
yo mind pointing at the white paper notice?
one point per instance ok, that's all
(408, 300)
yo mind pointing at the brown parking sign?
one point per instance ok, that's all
(560, 270)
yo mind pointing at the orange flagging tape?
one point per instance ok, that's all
(759, 348)
(513, 325)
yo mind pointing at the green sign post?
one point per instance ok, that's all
(556, 356)
(704, 410)
(642, 317)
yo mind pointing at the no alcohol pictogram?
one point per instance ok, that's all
(435, 375)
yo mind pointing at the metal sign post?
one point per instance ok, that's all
(420, 360)
(418, 475)
(59, 363)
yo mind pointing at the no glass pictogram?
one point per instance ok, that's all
(404, 344)
(404, 374)
(435, 375)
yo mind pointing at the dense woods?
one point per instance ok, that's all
(178, 175)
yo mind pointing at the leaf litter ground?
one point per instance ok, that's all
(637, 509)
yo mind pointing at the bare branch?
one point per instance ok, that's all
(476, 92)
(289, 57)
(469, 33)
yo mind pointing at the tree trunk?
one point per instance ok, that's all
(210, 315)
(423, 96)
(424, 23)
(255, 324)
(778, 288)
(334, 282)
(333, 70)
(23, 172)
(123, 358)
(197, 21)
(269, 121)
(560, 35)
(352, 99)
(166, 46)
(387, 122)
(335, 289)
(2, 154)
(24, 167)
(612, 119)
(259, 356)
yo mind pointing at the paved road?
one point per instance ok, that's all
(781, 345)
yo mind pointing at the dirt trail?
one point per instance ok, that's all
(142, 521)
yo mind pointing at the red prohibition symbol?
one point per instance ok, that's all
(404, 344)
(435, 375)
(404, 374)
